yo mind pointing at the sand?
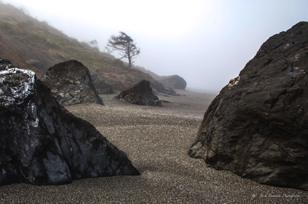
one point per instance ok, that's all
(156, 139)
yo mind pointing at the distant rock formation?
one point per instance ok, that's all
(257, 127)
(42, 143)
(140, 94)
(173, 82)
(100, 85)
(160, 88)
(70, 83)
(169, 82)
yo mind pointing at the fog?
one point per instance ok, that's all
(205, 41)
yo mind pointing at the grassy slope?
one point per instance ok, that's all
(30, 43)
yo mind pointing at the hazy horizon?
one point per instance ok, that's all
(206, 42)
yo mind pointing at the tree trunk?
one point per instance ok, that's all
(129, 62)
(129, 59)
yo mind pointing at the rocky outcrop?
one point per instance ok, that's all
(100, 85)
(173, 82)
(257, 127)
(70, 83)
(42, 143)
(140, 94)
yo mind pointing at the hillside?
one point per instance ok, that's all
(30, 43)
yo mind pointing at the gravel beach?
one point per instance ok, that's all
(156, 140)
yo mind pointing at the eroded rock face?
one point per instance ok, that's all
(42, 143)
(70, 83)
(173, 82)
(257, 127)
(140, 94)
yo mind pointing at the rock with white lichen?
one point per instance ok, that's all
(70, 83)
(42, 143)
(5, 64)
(257, 127)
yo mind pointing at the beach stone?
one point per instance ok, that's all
(42, 143)
(70, 83)
(257, 127)
(140, 94)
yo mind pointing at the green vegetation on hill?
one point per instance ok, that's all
(30, 43)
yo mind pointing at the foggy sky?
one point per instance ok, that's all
(205, 41)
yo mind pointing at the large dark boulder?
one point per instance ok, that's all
(140, 94)
(257, 127)
(42, 143)
(173, 82)
(70, 83)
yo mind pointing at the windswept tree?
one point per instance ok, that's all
(125, 46)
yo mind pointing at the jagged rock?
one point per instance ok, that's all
(70, 83)
(140, 94)
(100, 85)
(42, 143)
(173, 82)
(257, 127)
